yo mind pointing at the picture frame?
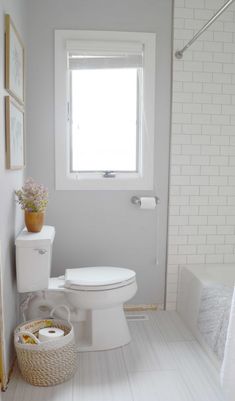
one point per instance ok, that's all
(15, 135)
(14, 61)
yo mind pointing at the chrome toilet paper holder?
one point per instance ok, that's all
(137, 201)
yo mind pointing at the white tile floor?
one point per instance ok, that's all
(162, 363)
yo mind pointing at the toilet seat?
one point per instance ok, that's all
(98, 278)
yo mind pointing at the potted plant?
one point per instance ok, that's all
(33, 199)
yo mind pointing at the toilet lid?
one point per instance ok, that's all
(97, 276)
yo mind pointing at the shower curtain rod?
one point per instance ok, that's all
(179, 53)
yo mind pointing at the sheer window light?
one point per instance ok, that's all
(105, 99)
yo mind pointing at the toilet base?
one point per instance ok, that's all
(103, 329)
(97, 316)
(95, 329)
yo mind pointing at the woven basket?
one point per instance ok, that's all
(50, 362)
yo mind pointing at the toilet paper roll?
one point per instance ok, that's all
(50, 333)
(147, 203)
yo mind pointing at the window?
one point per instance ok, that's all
(104, 110)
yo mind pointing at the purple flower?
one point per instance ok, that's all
(32, 197)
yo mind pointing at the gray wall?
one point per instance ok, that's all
(11, 217)
(98, 227)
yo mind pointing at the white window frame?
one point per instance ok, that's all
(66, 180)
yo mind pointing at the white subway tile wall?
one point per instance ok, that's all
(202, 183)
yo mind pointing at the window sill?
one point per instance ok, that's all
(87, 182)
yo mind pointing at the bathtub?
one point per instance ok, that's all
(204, 299)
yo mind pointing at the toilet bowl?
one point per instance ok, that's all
(95, 295)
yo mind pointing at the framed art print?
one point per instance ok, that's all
(15, 152)
(14, 61)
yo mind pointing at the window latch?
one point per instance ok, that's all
(109, 174)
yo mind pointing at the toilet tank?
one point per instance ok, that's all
(33, 259)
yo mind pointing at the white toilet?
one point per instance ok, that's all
(95, 295)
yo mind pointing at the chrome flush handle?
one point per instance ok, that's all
(41, 251)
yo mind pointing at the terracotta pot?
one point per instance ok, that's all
(34, 221)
